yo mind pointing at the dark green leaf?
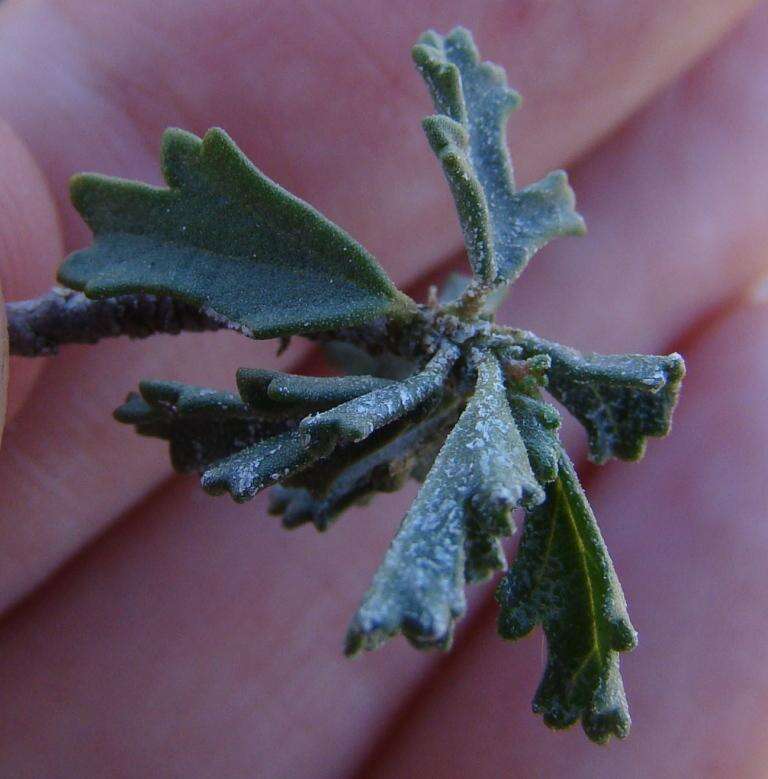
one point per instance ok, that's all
(188, 400)
(294, 504)
(480, 475)
(563, 578)
(201, 425)
(620, 399)
(538, 423)
(358, 418)
(484, 552)
(427, 454)
(228, 239)
(275, 394)
(502, 228)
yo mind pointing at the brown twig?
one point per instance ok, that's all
(38, 327)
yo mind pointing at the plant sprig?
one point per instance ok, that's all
(438, 392)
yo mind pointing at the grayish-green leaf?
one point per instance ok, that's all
(381, 463)
(502, 228)
(358, 418)
(426, 456)
(323, 392)
(228, 239)
(250, 470)
(480, 475)
(201, 425)
(563, 578)
(620, 399)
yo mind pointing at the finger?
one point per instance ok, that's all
(242, 611)
(3, 364)
(29, 236)
(686, 532)
(334, 121)
(84, 452)
(66, 443)
(248, 617)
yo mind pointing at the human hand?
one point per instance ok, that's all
(187, 636)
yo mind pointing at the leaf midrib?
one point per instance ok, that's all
(595, 650)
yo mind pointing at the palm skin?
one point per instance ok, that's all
(150, 630)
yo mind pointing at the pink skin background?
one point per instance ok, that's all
(150, 630)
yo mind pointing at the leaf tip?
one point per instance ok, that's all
(215, 481)
(559, 189)
(623, 635)
(460, 39)
(600, 726)
(78, 186)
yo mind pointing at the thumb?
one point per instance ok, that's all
(3, 363)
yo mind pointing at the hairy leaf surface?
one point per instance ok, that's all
(225, 237)
(480, 475)
(563, 578)
(620, 399)
(502, 228)
(267, 462)
(438, 392)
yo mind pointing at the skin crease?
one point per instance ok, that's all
(194, 639)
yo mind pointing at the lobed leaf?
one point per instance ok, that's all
(244, 253)
(228, 239)
(201, 425)
(479, 476)
(296, 506)
(620, 399)
(502, 228)
(563, 578)
(188, 400)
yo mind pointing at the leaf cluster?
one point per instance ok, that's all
(463, 411)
